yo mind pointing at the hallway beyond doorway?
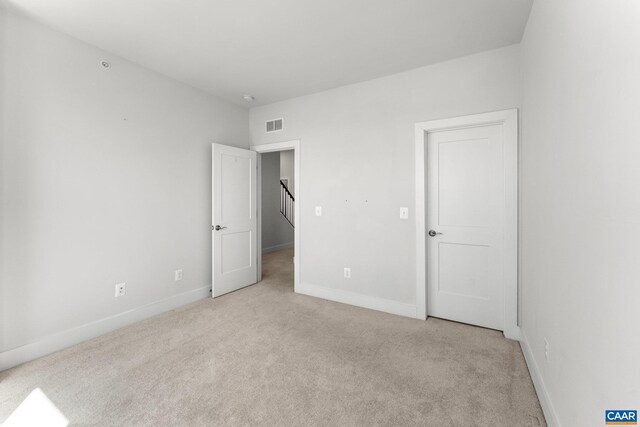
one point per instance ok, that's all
(277, 270)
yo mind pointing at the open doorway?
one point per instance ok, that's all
(278, 218)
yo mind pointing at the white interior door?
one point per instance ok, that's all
(234, 218)
(466, 225)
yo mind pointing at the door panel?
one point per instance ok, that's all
(463, 183)
(465, 206)
(234, 210)
(235, 186)
(236, 251)
(472, 280)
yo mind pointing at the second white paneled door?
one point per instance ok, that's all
(466, 225)
(234, 218)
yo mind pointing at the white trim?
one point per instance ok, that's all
(277, 248)
(268, 148)
(421, 226)
(543, 396)
(61, 340)
(509, 120)
(358, 300)
(259, 213)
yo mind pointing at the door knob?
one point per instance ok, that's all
(433, 233)
(218, 228)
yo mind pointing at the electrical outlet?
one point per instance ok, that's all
(546, 349)
(318, 210)
(177, 275)
(347, 273)
(121, 289)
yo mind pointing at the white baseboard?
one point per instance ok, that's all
(512, 332)
(277, 247)
(359, 300)
(547, 406)
(64, 339)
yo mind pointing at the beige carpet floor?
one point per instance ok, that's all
(266, 356)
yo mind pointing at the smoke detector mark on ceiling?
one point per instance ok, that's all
(274, 125)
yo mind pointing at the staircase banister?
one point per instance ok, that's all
(287, 190)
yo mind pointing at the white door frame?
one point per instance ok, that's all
(509, 121)
(269, 148)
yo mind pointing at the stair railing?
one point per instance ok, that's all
(287, 203)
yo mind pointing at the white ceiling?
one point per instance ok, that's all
(279, 49)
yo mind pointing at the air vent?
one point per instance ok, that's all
(274, 125)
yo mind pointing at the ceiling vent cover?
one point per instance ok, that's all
(274, 125)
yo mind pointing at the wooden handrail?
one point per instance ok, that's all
(286, 203)
(287, 190)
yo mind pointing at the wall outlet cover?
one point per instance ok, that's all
(121, 289)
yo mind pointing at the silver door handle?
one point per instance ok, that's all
(218, 228)
(433, 233)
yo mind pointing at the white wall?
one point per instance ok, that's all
(357, 162)
(105, 178)
(581, 204)
(287, 168)
(277, 233)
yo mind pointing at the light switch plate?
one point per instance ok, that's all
(318, 210)
(404, 213)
